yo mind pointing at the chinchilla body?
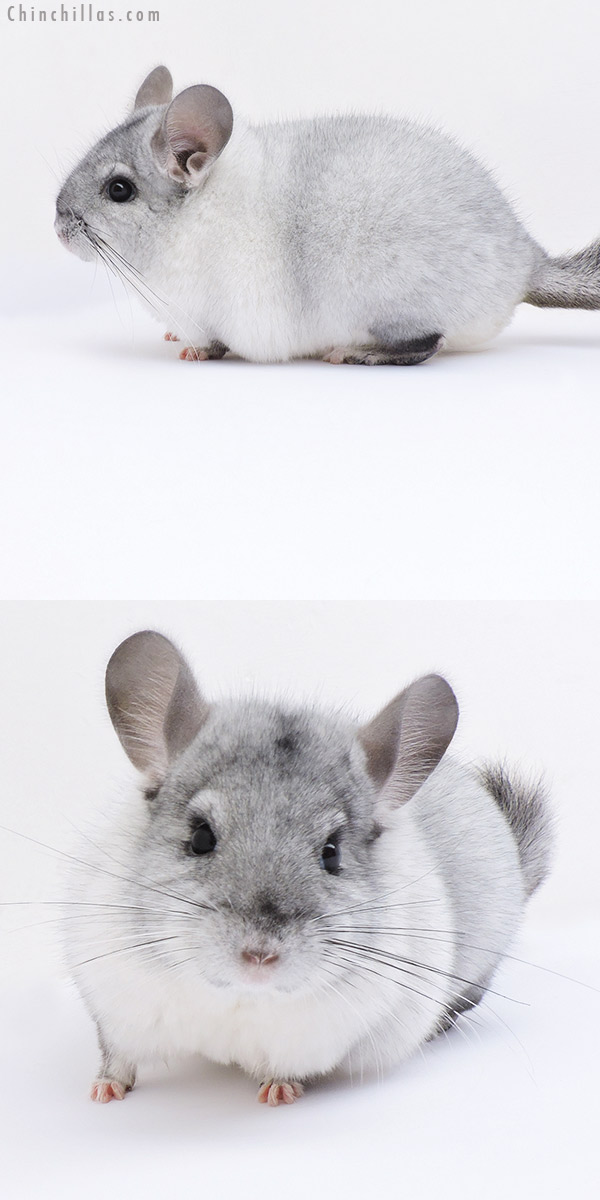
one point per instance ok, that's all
(358, 239)
(292, 892)
(344, 232)
(444, 894)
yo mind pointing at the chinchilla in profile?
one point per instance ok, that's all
(358, 239)
(291, 891)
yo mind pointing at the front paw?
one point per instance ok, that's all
(278, 1091)
(104, 1090)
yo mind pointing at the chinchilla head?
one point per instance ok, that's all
(262, 821)
(121, 198)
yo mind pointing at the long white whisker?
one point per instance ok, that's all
(104, 871)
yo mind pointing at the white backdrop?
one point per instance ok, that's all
(312, 531)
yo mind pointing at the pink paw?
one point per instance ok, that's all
(193, 354)
(276, 1091)
(171, 337)
(336, 356)
(104, 1090)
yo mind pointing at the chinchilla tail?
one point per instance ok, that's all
(572, 281)
(525, 806)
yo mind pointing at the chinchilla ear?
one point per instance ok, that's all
(407, 739)
(196, 127)
(157, 88)
(153, 701)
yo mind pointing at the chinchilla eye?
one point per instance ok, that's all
(203, 839)
(331, 856)
(120, 189)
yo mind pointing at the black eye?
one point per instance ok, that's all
(331, 856)
(120, 189)
(203, 839)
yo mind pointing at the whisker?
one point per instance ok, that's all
(126, 281)
(361, 966)
(491, 950)
(530, 1067)
(104, 871)
(112, 858)
(372, 903)
(102, 916)
(127, 270)
(416, 930)
(91, 904)
(125, 949)
(108, 274)
(386, 958)
(368, 1032)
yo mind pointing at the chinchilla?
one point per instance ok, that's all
(289, 890)
(357, 239)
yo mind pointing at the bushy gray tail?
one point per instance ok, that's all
(525, 807)
(572, 281)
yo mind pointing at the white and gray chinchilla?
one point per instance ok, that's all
(290, 891)
(357, 239)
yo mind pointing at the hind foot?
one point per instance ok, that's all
(277, 1091)
(104, 1090)
(203, 353)
(402, 354)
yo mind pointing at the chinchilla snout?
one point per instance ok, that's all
(65, 222)
(71, 230)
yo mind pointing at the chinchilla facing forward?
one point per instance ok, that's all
(290, 890)
(356, 239)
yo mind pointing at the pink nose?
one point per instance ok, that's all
(258, 958)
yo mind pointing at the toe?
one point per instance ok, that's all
(104, 1090)
(191, 354)
(275, 1092)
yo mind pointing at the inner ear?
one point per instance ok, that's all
(380, 739)
(157, 88)
(405, 742)
(153, 701)
(196, 127)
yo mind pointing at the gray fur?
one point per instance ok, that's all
(255, 755)
(572, 281)
(83, 208)
(361, 239)
(389, 352)
(525, 806)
